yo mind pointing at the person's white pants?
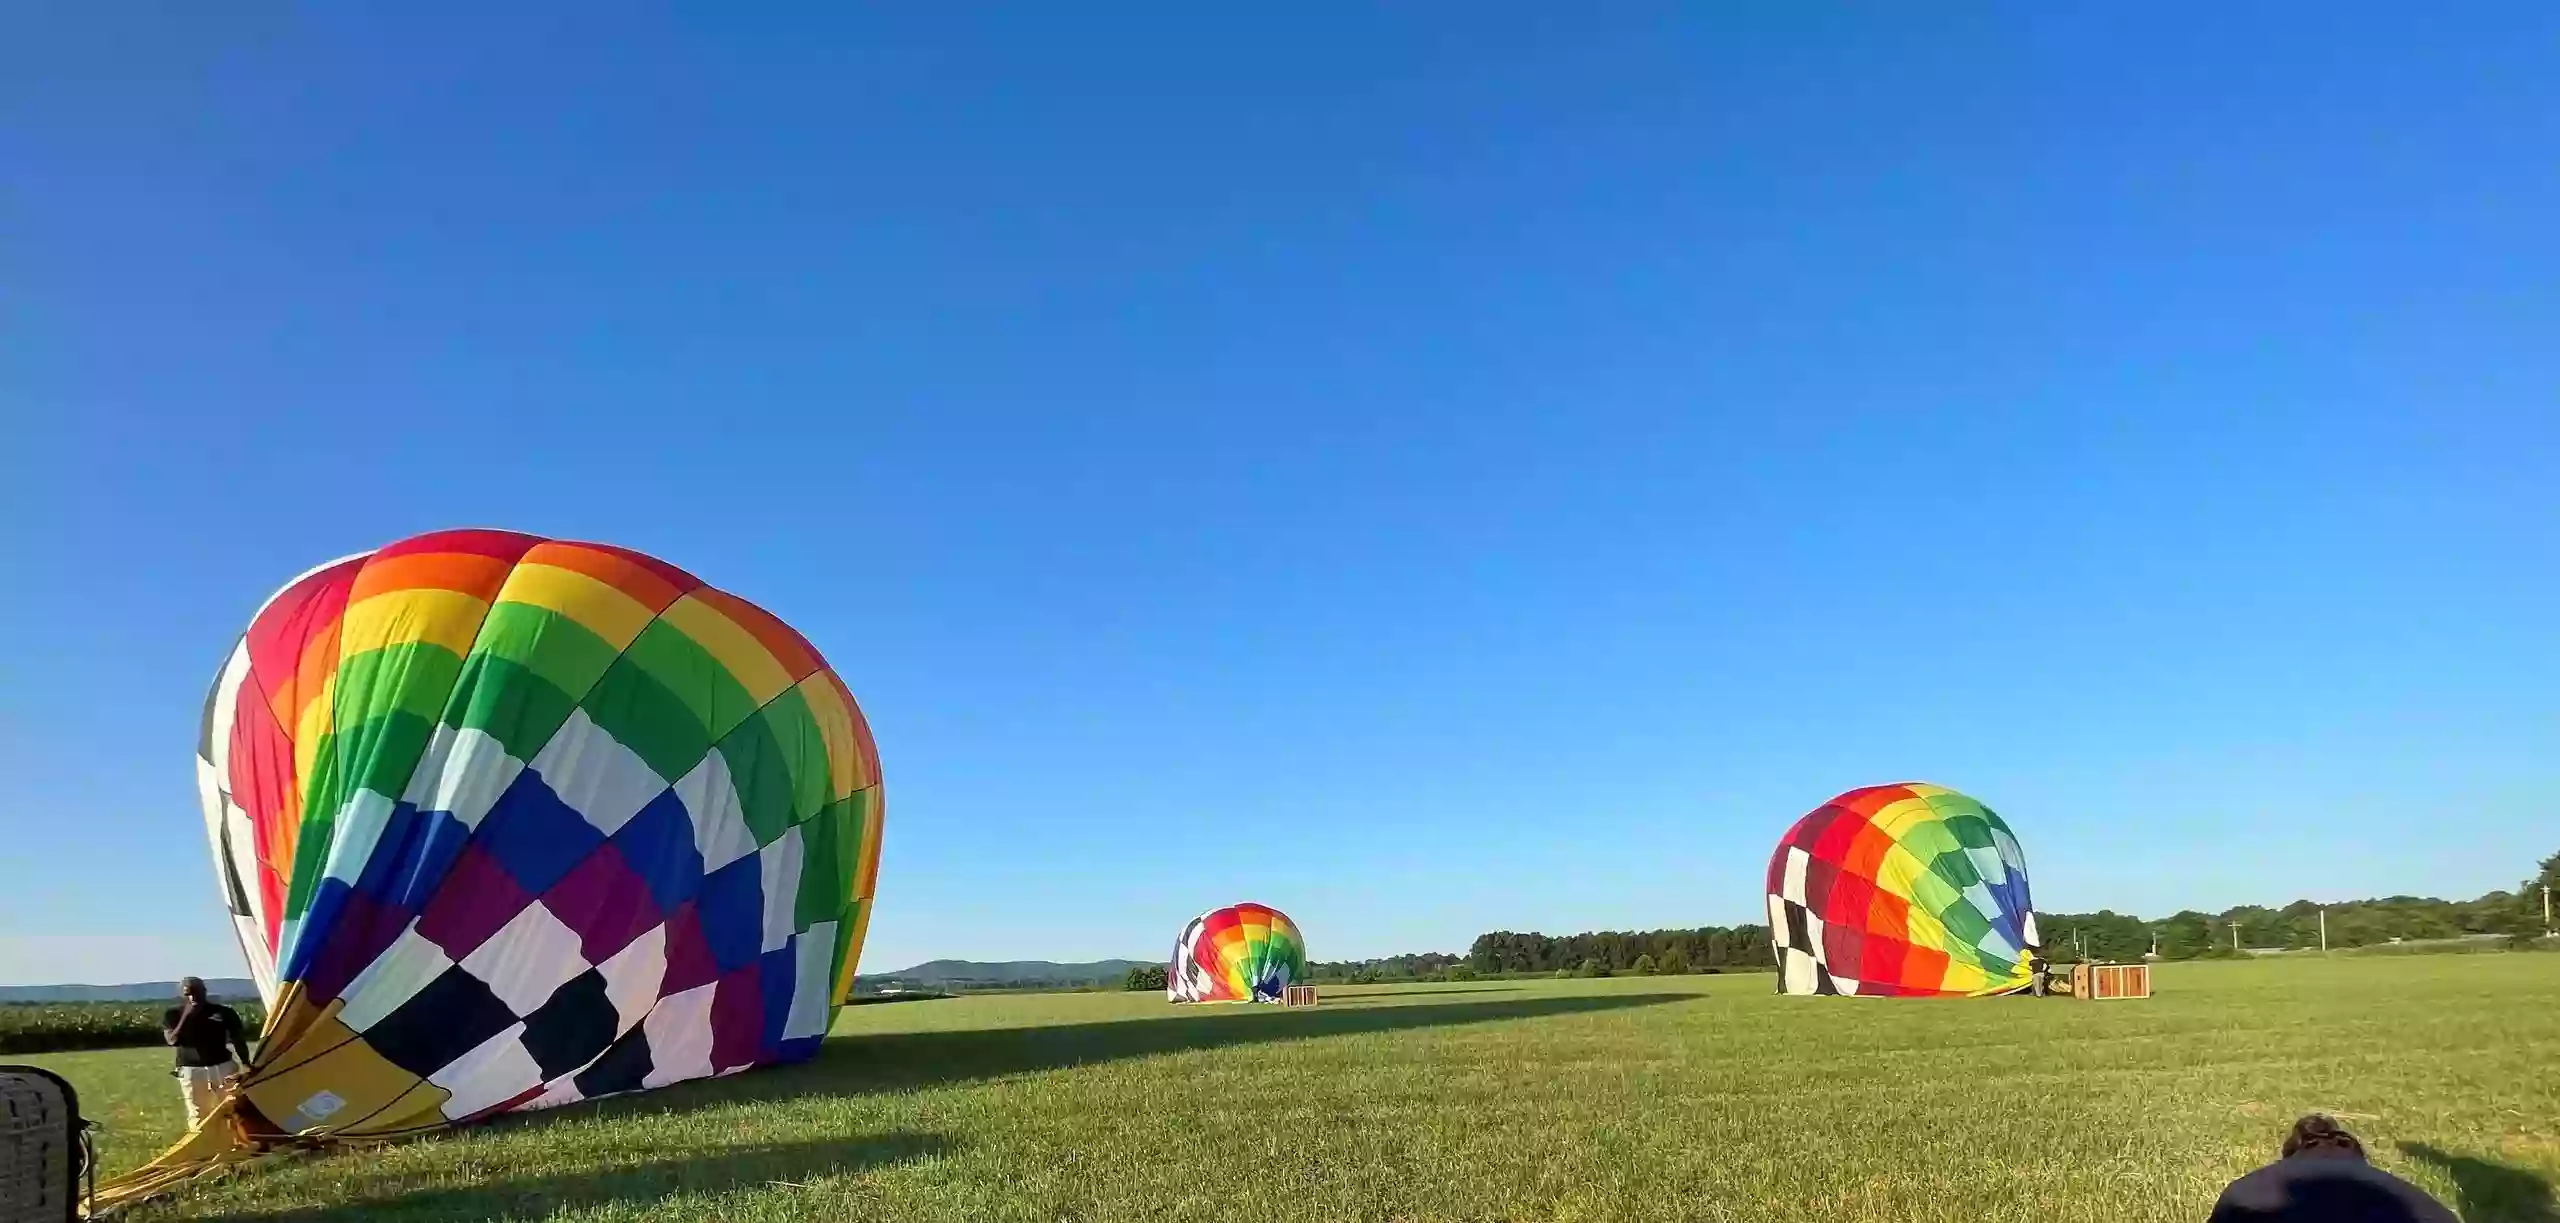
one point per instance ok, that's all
(202, 1087)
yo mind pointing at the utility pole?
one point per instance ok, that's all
(2235, 936)
(2546, 910)
(2324, 930)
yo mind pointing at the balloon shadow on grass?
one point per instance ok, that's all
(905, 1061)
(1367, 994)
(707, 1170)
(2492, 1192)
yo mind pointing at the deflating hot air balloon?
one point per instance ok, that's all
(1901, 890)
(505, 823)
(1241, 953)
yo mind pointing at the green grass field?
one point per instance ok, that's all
(1637, 1098)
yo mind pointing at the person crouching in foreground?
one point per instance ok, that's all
(2323, 1176)
(203, 1032)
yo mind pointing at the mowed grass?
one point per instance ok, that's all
(1631, 1099)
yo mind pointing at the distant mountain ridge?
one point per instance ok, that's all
(1008, 972)
(233, 988)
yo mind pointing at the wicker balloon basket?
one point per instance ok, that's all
(44, 1147)
(2100, 982)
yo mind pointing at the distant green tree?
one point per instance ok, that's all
(1643, 967)
(2529, 895)
(2185, 935)
(1145, 977)
(1720, 950)
(1460, 971)
(1673, 962)
(1592, 967)
(2112, 937)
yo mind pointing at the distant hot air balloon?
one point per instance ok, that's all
(1901, 890)
(506, 823)
(1242, 953)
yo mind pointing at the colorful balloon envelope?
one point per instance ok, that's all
(1901, 890)
(1242, 953)
(506, 822)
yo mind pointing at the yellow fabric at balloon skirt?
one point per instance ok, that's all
(215, 1144)
(306, 1055)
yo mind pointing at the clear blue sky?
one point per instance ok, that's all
(1464, 468)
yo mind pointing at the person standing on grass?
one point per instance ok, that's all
(204, 1033)
(2322, 1177)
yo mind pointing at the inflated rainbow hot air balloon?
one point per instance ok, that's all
(1901, 890)
(505, 823)
(1242, 953)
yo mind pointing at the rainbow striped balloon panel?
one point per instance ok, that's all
(1242, 953)
(1901, 890)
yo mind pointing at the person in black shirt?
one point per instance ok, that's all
(203, 1032)
(2322, 1177)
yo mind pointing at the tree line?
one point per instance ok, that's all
(2103, 935)
(1703, 949)
(1418, 966)
(1595, 953)
(51, 1027)
(2188, 934)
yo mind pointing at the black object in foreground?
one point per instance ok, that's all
(2323, 1178)
(43, 1147)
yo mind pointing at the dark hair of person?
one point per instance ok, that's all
(2321, 1132)
(191, 987)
